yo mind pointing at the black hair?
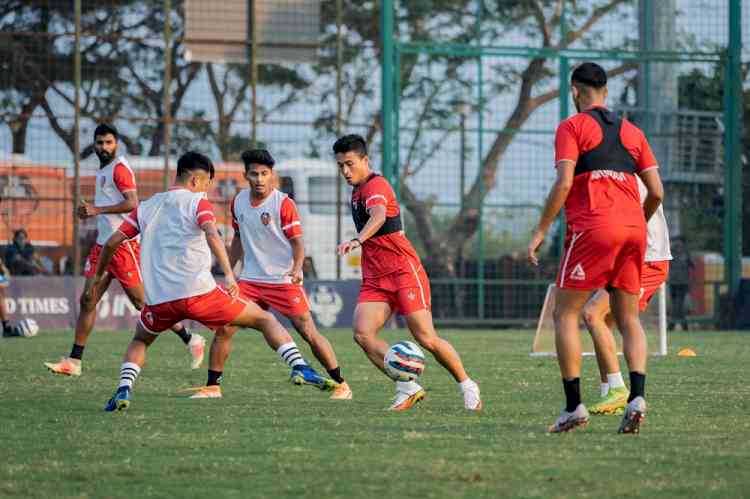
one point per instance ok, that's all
(18, 232)
(589, 74)
(104, 129)
(257, 157)
(353, 143)
(191, 161)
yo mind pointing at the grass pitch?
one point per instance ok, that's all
(267, 438)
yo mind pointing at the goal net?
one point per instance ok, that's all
(654, 321)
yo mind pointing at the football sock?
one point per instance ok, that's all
(637, 385)
(77, 352)
(615, 380)
(603, 389)
(410, 387)
(335, 375)
(184, 335)
(214, 378)
(289, 353)
(572, 389)
(467, 383)
(128, 372)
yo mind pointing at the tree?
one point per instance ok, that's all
(433, 87)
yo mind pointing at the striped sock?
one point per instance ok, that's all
(128, 372)
(289, 353)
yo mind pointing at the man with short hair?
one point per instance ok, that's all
(393, 279)
(268, 240)
(597, 156)
(115, 197)
(178, 235)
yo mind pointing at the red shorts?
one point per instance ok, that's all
(604, 257)
(406, 291)
(213, 309)
(289, 299)
(654, 274)
(125, 265)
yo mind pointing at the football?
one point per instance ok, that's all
(404, 361)
(28, 328)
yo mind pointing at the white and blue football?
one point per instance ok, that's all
(404, 361)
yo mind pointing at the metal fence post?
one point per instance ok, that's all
(387, 98)
(339, 181)
(733, 151)
(77, 139)
(166, 101)
(564, 66)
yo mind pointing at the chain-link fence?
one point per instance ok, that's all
(477, 94)
(471, 103)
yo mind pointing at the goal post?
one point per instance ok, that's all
(654, 321)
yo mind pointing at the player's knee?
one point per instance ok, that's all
(362, 335)
(590, 316)
(427, 341)
(87, 302)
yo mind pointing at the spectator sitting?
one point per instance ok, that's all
(21, 257)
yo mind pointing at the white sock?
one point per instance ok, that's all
(128, 372)
(289, 353)
(466, 384)
(604, 389)
(410, 387)
(615, 380)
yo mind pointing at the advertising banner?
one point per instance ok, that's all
(53, 303)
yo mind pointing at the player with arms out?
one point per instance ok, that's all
(597, 313)
(393, 279)
(115, 197)
(178, 235)
(597, 157)
(268, 240)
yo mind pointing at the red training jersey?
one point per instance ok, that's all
(387, 253)
(602, 197)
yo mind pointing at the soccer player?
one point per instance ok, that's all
(597, 313)
(178, 235)
(268, 232)
(115, 197)
(597, 156)
(393, 279)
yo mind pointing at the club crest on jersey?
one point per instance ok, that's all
(578, 274)
(265, 218)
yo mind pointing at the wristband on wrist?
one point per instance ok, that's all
(359, 243)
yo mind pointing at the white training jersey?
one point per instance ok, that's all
(657, 248)
(265, 231)
(175, 256)
(112, 181)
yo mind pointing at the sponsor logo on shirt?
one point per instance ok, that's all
(578, 274)
(597, 174)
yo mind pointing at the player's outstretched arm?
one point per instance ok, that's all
(373, 225)
(552, 206)
(130, 203)
(220, 252)
(652, 181)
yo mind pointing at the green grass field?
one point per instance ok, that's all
(267, 438)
